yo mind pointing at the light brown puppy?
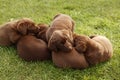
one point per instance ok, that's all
(72, 59)
(60, 33)
(11, 32)
(30, 48)
(42, 31)
(96, 48)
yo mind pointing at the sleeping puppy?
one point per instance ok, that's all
(30, 48)
(26, 26)
(72, 59)
(96, 48)
(42, 31)
(11, 32)
(59, 34)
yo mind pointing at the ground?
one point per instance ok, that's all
(91, 17)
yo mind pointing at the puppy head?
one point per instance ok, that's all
(42, 28)
(26, 26)
(80, 42)
(60, 41)
(68, 18)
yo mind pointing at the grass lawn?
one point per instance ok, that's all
(91, 17)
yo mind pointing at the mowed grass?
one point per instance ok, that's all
(100, 17)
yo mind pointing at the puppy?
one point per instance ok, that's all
(60, 32)
(30, 48)
(72, 59)
(11, 32)
(42, 31)
(26, 26)
(96, 48)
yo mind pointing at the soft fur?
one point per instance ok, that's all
(42, 31)
(60, 32)
(96, 48)
(32, 49)
(72, 59)
(11, 32)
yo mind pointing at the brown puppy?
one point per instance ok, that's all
(97, 49)
(42, 31)
(59, 35)
(11, 32)
(72, 59)
(26, 26)
(32, 49)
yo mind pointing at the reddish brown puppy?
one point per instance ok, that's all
(72, 59)
(32, 49)
(11, 32)
(59, 34)
(96, 49)
(42, 31)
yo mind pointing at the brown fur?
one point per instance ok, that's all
(60, 31)
(26, 26)
(42, 31)
(11, 32)
(72, 59)
(98, 48)
(32, 49)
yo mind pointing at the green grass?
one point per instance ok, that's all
(100, 17)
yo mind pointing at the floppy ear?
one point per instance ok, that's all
(52, 44)
(56, 15)
(22, 28)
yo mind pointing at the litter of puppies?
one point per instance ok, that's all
(56, 42)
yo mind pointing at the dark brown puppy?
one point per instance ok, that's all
(59, 35)
(32, 49)
(11, 32)
(72, 59)
(42, 31)
(97, 49)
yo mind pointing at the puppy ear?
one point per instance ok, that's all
(56, 16)
(22, 28)
(52, 44)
